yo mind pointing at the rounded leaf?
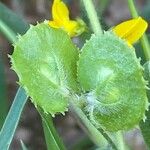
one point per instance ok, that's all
(111, 74)
(45, 61)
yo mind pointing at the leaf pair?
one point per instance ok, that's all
(45, 60)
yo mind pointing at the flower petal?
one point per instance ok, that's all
(131, 30)
(60, 11)
(60, 14)
(53, 24)
(71, 27)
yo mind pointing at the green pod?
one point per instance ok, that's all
(112, 78)
(45, 61)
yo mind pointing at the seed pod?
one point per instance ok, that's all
(110, 73)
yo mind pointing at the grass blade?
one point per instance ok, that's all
(12, 119)
(9, 34)
(23, 145)
(53, 140)
(12, 20)
(10, 23)
(3, 99)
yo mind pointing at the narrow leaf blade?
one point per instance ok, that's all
(12, 119)
(14, 21)
(3, 99)
(23, 146)
(53, 140)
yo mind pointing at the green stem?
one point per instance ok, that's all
(23, 145)
(144, 40)
(146, 46)
(99, 138)
(132, 9)
(92, 15)
(10, 35)
(120, 140)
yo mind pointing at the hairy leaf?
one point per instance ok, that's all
(45, 61)
(111, 74)
(145, 124)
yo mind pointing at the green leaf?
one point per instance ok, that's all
(12, 119)
(9, 34)
(145, 124)
(111, 74)
(12, 37)
(3, 99)
(45, 61)
(53, 140)
(12, 20)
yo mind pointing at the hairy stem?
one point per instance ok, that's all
(92, 15)
(98, 136)
(121, 144)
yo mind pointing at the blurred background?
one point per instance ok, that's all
(111, 12)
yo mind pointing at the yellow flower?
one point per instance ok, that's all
(131, 30)
(60, 15)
